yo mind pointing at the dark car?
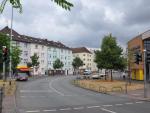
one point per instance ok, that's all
(22, 76)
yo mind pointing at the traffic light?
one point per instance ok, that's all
(138, 57)
(5, 53)
(148, 57)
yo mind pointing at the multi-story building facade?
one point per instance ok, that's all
(86, 56)
(48, 52)
(137, 45)
(94, 65)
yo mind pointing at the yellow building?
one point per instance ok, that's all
(138, 44)
(86, 56)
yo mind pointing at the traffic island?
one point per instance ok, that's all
(108, 87)
(9, 87)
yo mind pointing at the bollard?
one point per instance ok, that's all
(126, 88)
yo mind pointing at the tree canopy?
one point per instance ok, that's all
(4, 41)
(34, 60)
(58, 64)
(110, 57)
(77, 62)
(16, 52)
(17, 4)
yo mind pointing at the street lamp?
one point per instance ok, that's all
(10, 63)
(145, 82)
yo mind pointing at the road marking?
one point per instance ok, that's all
(54, 89)
(78, 108)
(93, 107)
(129, 103)
(107, 110)
(65, 109)
(118, 104)
(35, 111)
(35, 91)
(140, 102)
(32, 96)
(49, 110)
(107, 105)
(136, 94)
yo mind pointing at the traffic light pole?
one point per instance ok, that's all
(4, 73)
(145, 82)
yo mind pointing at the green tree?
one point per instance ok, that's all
(4, 41)
(58, 64)
(16, 52)
(110, 57)
(77, 62)
(34, 60)
(29, 64)
(17, 4)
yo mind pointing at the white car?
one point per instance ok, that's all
(97, 76)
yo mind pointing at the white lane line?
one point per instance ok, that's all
(89, 107)
(32, 96)
(78, 108)
(107, 105)
(54, 89)
(35, 91)
(129, 103)
(65, 109)
(49, 110)
(118, 104)
(140, 102)
(107, 110)
(35, 111)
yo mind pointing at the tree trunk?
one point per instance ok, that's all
(111, 75)
(105, 75)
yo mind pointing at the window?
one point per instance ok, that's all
(42, 54)
(42, 61)
(49, 48)
(25, 53)
(83, 54)
(17, 43)
(62, 50)
(25, 45)
(36, 46)
(54, 50)
(42, 47)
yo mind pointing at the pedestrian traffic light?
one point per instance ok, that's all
(138, 57)
(5, 53)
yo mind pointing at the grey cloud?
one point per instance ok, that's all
(86, 24)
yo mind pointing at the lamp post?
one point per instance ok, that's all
(10, 63)
(145, 82)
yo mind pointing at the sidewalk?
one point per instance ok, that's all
(136, 94)
(9, 104)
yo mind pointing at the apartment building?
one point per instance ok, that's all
(48, 51)
(86, 56)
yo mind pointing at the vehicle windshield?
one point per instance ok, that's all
(22, 74)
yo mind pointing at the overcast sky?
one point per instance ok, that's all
(85, 25)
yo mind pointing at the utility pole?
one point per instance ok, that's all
(10, 63)
(145, 82)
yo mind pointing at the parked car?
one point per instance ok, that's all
(87, 72)
(98, 76)
(22, 76)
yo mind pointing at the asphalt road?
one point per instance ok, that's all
(58, 95)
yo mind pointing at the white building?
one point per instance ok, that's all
(48, 52)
